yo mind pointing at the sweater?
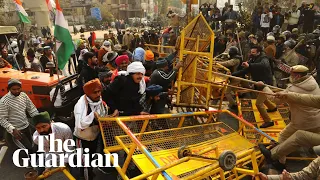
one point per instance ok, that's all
(13, 111)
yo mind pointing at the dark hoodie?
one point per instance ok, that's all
(259, 68)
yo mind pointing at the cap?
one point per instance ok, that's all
(299, 69)
(12, 82)
(282, 36)
(270, 38)
(242, 34)
(251, 36)
(295, 30)
(117, 47)
(46, 47)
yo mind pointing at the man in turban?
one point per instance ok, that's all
(106, 47)
(44, 127)
(86, 112)
(122, 63)
(153, 94)
(149, 63)
(124, 93)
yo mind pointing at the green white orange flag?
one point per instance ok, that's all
(64, 44)
(21, 12)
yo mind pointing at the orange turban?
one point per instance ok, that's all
(149, 56)
(90, 86)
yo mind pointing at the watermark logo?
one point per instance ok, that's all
(61, 153)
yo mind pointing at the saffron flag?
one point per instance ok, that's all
(21, 12)
(64, 44)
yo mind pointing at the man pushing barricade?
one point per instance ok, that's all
(259, 68)
(304, 119)
(300, 138)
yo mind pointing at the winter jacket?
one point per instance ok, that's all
(304, 99)
(162, 78)
(86, 74)
(231, 64)
(259, 68)
(123, 94)
(270, 51)
(304, 117)
(127, 38)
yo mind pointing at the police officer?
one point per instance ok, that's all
(304, 119)
(233, 65)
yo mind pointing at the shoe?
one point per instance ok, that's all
(278, 166)
(267, 124)
(267, 154)
(272, 110)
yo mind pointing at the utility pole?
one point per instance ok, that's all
(188, 10)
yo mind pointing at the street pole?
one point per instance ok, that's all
(188, 11)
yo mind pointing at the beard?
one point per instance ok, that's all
(46, 133)
(16, 94)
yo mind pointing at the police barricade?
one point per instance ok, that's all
(194, 149)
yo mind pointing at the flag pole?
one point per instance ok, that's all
(56, 59)
(14, 57)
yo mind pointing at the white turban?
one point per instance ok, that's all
(82, 52)
(137, 67)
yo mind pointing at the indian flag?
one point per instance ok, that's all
(64, 44)
(21, 12)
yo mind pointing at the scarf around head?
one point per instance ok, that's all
(137, 67)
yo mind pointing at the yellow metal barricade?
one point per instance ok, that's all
(33, 175)
(163, 51)
(155, 152)
(247, 109)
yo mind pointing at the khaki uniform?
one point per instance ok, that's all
(262, 100)
(304, 128)
(231, 64)
(304, 99)
(311, 172)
